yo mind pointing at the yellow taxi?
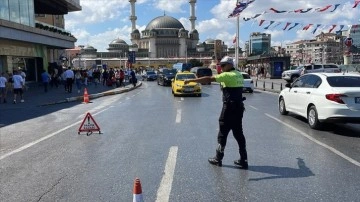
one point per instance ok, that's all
(179, 88)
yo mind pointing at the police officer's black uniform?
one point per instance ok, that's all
(231, 119)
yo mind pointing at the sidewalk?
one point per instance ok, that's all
(35, 96)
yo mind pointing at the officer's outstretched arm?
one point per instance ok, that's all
(205, 79)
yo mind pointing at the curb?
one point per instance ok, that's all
(93, 96)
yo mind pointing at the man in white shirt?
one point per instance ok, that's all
(69, 75)
(3, 81)
(18, 86)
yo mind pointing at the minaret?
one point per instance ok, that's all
(192, 12)
(133, 17)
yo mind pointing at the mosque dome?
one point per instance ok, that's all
(89, 48)
(118, 41)
(164, 22)
(210, 41)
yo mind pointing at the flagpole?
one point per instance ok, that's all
(237, 42)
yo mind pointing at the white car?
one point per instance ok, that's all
(248, 83)
(323, 97)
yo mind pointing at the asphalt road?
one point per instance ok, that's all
(165, 142)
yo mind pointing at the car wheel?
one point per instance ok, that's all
(312, 117)
(282, 107)
(251, 91)
(199, 95)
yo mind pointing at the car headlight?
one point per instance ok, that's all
(198, 85)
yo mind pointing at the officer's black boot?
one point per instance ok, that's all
(217, 159)
(242, 162)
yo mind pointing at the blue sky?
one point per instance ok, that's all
(102, 21)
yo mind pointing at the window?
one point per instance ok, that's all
(4, 10)
(299, 82)
(317, 66)
(330, 66)
(312, 81)
(344, 81)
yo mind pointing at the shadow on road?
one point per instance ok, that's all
(282, 172)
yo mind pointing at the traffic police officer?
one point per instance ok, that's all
(231, 82)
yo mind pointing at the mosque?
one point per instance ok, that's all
(163, 42)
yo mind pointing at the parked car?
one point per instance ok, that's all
(165, 76)
(179, 88)
(323, 97)
(292, 75)
(248, 83)
(149, 76)
(201, 71)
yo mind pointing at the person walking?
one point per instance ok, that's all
(231, 82)
(3, 82)
(78, 80)
(18, 83)
(45, 80)
(69, 75)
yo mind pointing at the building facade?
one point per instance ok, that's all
(28, 43)
(259, 43)
(325, 48)
(354, 33)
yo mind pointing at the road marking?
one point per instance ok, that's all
(253, 107)
(43, 138)
(163, 193)
(178, 116)
(317, 142)
(182, 99)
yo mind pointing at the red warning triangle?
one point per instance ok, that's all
(89, 124)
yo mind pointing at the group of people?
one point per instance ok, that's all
(14, 82)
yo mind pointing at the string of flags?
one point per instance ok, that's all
(291, 25)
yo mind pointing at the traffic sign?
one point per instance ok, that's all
(89, 125)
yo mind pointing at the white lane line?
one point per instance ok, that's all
(43, 138)
(253, 107)
(163, 193)
(178, 116)
(317, 141)
(182, 99)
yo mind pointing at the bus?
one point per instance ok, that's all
(180, 67)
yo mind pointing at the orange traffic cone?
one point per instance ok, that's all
(86, 96)
(137, 191)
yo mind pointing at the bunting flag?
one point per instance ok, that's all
(246, 19)
(271, 22)
(240, 7)
(341, 27)
(332, 28)
(257, 15)
(357, 2)
(303, 11)
(277, 24)
(277, 11)
(323, 9)
(234, 40)
(317, 26)
(307, 26)
(286, 26)
(261, 22)
(296, 24)
(335, 7)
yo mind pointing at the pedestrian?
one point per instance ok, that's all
(45, 80)
(122, 77)
(78, 80)
(231, 82)
(3, 82)
(18, 84)
(133, 77)
(69, 75)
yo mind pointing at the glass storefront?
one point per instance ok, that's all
(19, 11)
